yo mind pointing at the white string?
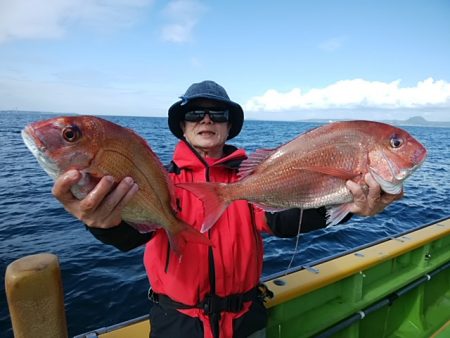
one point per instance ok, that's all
(296, 242)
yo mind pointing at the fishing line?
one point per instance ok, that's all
(296, 242)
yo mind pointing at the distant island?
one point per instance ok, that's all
(417, 121)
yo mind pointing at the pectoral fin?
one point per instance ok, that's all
(337, 213)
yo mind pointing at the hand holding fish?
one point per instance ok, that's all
(97, 166)
(371, 202)
(102, 206)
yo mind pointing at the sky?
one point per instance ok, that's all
(281, 60)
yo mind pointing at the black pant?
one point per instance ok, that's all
(170, 323)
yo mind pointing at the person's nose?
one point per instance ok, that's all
(206, 119)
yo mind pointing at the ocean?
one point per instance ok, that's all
(103, 286)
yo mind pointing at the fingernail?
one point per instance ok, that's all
(109, 179)
(128, 180)
(71, 175)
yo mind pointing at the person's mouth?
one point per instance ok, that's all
(206, 133)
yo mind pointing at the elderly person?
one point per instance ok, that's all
(213, 290)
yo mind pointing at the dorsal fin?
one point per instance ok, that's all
(248, 166)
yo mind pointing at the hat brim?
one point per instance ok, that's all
(178, 109)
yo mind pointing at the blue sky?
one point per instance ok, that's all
(281, 60)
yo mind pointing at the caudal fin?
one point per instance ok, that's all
(213, 202)
(185, 235)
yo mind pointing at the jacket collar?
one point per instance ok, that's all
(185, 157)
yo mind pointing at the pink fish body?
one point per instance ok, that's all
(311, 170)
(97, 148)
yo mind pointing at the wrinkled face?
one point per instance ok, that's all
(397, 157)
(206, 136)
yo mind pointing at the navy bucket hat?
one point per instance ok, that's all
(205, 90)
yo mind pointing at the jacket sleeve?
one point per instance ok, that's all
(124, 237)
(285, 223)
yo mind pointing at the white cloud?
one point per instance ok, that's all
(37, 19)
(182, 17)
(108, 94)
(332, 44)
(356, 94)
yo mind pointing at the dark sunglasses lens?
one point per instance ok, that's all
(219, 116)
(198, 115)
(194, 116)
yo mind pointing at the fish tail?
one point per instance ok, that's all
(185, 234)
(212, 196)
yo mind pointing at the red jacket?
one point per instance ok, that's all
(237, 250)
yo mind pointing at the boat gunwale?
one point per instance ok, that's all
(400, 244)
(279, 274)
(349, 264)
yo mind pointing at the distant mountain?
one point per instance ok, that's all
(412, 121)
(419, 121)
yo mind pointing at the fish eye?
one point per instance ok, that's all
(71, 133)
(396, 141)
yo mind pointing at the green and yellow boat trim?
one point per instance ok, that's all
(398, 287)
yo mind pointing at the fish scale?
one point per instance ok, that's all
(311, 170)
(97, 147)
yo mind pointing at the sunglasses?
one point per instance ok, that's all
(214, 115)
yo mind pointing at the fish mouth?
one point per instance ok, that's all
(30, 141)
(391, 187)
(394, 186)
(38, 150)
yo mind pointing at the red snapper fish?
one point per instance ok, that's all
(97, 147)
(311, 170)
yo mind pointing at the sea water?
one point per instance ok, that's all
(103, 286)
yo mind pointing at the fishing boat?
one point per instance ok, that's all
(395, 287)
